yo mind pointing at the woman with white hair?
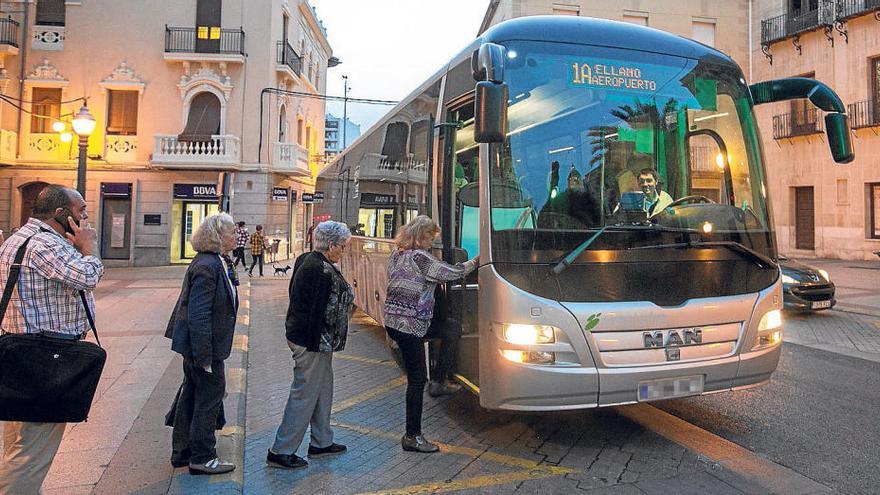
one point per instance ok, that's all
(413, 274)
(317, 326)
(201, 330)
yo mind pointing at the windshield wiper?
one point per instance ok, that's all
(569, 258)
(761, 259)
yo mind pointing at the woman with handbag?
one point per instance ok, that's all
(201, 329)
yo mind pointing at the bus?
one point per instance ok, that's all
(611, 179)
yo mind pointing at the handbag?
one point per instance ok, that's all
(46, 379)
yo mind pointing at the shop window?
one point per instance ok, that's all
(874, 209)
(46, 109)
(122, 113)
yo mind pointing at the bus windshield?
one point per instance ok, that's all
(644, 145)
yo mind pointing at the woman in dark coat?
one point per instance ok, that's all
(201, 329)
(317, 326)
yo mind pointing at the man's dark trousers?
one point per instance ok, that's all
(196, 417)
(239, 256)
(257, 258)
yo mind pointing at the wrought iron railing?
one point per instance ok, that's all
(852, 8)
(795, 124)
(9, 32)
(796, 22)
(285, 55)
(864, 113)
(185, 40)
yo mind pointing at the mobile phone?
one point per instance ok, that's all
(62, 219)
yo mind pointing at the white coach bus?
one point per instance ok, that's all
(612, 180)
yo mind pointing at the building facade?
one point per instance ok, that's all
(338, 134)
(193, 100)
(822, 209)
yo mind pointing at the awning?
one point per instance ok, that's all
(203, 120)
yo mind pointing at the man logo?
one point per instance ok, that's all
(672, 338)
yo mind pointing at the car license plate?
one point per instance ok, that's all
(670, 388)
(821, 304)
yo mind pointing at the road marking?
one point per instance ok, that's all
(240, 343)
(357, 399)
(768, 474)
(465, 483)
(360, 359)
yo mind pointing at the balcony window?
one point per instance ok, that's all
(50, 13)
(203, 120)
(46, 109)
(122, 113)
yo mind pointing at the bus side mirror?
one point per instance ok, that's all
(839, 138)
(490, 112)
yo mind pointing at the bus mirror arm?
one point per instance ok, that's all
(837, 126)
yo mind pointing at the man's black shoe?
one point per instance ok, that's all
(291, 461)
(333, 449)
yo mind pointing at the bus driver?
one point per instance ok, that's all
(655, 201)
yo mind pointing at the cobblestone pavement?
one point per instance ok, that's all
(604, 451)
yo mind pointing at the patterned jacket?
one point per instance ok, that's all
(257, 241)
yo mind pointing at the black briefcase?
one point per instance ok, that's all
(46, 379)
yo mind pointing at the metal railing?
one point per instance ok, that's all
(864, 113)
(796, 22)
(795, 124)
(9, 32)
(852, 8)
(185, 40)
(286, 55)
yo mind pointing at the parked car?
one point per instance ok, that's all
(805, 287)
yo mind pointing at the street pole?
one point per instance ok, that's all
(344, 112)
(81, 167)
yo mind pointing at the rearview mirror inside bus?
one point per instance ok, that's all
(839, 138)
(490, 112)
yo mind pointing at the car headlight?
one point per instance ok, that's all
(825, 275)
(788, 280)
(528, 334)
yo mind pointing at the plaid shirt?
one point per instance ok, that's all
(257, 241)
(241, 237)
(46, 297)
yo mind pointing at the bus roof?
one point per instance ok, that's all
(599, 32)
(561, 29)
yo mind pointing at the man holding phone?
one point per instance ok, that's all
(60, 260)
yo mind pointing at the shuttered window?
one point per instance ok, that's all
(50, 12)
(122, 119)
(46, 103)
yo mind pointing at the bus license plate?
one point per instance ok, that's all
(821, 304)
(670, 388)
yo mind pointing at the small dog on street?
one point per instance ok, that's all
(281, 270)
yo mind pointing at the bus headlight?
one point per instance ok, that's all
(769, 330)
(528, 334)
(529, 357)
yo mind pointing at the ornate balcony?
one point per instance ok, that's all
(287, 59)
(847, 9)
(48, 38)
(796, 22)
(864, 113)
(291, 159)
(216, 153)
(183, 44)
(121, 149)
(8, 37)
(795, 124)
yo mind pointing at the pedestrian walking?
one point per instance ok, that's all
(60, 260)
(413, 274)
(258, 247)
(316, 327)
(201, 330)
(241, 240)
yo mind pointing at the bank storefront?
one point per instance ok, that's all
(191, 204)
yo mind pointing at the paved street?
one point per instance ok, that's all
(811, 430)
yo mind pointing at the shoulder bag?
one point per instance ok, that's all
(46, 379)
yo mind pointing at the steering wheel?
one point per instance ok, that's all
(696, 198)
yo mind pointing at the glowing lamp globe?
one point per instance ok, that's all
(83, 122)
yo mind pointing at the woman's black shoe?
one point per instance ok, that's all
(333, 449)
(291, 461)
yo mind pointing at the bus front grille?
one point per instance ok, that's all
(645, 346)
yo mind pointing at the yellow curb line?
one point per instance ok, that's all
(339, 406)
(466, 483)
(381, 362)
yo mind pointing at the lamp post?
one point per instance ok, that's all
(344, 111)
(83, 125)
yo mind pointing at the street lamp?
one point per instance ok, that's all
(83, 125)
(344, 111)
